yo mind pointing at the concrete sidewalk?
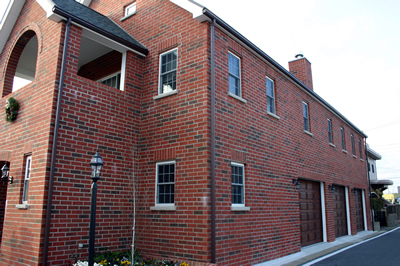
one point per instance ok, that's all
(315, 251)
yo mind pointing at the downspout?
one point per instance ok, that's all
(54, 147)
(213, 200)
(369, 186)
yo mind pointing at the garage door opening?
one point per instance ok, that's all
(310, 213)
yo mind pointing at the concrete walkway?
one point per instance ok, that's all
(315, 251)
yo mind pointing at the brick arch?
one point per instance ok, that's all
(18, 46)
(5, 155)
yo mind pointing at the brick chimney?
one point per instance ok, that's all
(301, 69)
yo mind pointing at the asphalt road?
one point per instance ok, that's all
(383, 250)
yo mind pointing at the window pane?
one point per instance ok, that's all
(237, 184)
(270, 88)
(165, 183)
(26, 179)
(305, 115)
(25, 193)
(168, 71)
(234, 75)
(233, 65)
(271, 105)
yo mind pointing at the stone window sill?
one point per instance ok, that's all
(273, 115)
(237, 97)
(23, 206)
(308, 133)
(163, 208)
(165, 94)
(240, 208)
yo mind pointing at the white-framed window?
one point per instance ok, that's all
(130, 9)
(330, 135)
(113, 80)
(237, 177)
(360, 149)
(306, 117)
(27, 178)
(168, 70)
(343, 139)
(353, 149)
(234, 75)
(270, 95)
(165, 183)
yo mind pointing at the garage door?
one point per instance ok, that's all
(340, 211)
(310, 213)
(359, 209)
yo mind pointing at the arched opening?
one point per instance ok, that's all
(21, 68)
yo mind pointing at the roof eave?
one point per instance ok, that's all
(252, 46)
(10, 18)
(60, 12)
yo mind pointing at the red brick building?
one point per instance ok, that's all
(204, 138)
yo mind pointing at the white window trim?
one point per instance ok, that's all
(343, 140)
(330, 131)
(163, 206)
(126, 11)
(240, 78)
(159, 72)
(274, 97)
(235, 206)
(308, 117)
(28, 158)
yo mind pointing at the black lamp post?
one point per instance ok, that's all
(96, 164)
(5, 174)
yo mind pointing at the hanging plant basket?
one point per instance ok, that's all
(12, 107)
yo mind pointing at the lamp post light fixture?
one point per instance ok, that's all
(331, 188)
(297, 183)
(97, 165)
(5, 174)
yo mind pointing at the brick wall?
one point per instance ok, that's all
(133, 131)
(179, 123)
(276, 150)
(23, 228)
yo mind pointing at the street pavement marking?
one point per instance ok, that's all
(346, 248)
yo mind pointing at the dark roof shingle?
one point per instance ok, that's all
(97, 22)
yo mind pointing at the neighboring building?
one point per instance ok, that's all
(376, 183)
(393, 198)
(203, 136)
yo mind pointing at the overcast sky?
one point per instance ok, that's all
(353, 46)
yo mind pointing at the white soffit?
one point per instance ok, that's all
(193, 7)
(10, 17)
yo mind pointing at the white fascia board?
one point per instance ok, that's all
(193, 7)
(85, 2)
(10, 17)
(48, 5)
